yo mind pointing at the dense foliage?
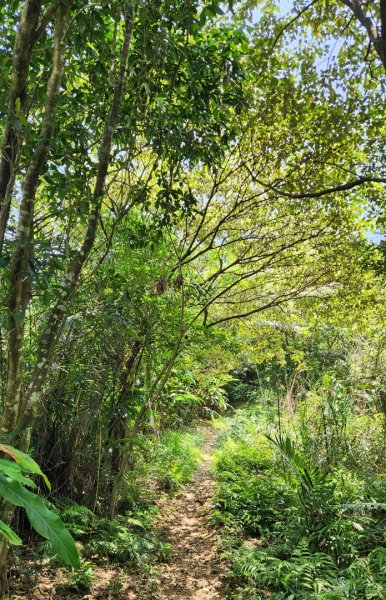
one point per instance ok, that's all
(302, 498)
(191, 217)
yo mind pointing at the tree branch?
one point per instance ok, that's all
(319, 193)
(371, 28)
(281, 299)
(292, 21)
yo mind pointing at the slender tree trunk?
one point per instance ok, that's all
(20, 410)
(32, 398)
(20, 287)
(125, 458)
(26, 36)
(153, 394)
(118, 421)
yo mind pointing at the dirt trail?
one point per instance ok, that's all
(194, 570)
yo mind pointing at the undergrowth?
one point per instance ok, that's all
(174, 459)
(293, 529)
(131, 540)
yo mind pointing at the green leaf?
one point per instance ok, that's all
(8, 533)
(42, 519)
(13, 471)
(22, 119)
(135, 522)
(25, 461)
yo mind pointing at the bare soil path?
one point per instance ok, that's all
(194, 571)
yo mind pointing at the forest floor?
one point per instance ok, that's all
(194, 570)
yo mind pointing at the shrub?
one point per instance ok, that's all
(175, 459)
(78, 583)
(321, 534)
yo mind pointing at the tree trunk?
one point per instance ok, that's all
(26, 36)
(118, 428)
(20, 286)
(124, 462)
(56, 319)
(20, 409)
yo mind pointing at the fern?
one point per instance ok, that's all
(78, 518)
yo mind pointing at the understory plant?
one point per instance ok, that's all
(15, 478)
(131, 538)
(292, 528)
(173, 458)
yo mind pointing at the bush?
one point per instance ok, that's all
(78, 583)
(129, 539)
(320, 534)
(175, 459)
(115, 541)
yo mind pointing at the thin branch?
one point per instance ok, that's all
(275, 302)
(325, 192)
(44, 20)
(292, 21)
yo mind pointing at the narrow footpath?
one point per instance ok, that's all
(194, 571)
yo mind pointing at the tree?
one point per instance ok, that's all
(131, 70)
(165, 170)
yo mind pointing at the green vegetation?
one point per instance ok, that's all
(131, 540)
(12, 489)
(192, 220)
(297, 520)
(175, 459)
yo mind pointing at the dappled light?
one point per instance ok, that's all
(192, 299)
